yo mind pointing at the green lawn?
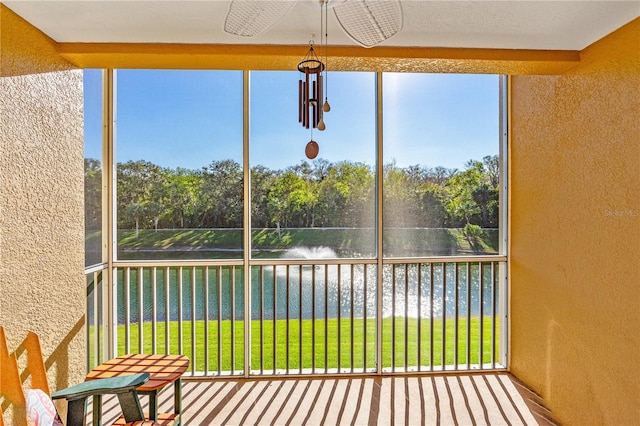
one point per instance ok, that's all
(332, 354)
(405, 242)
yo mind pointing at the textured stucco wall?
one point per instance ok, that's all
(575, 234)
(42, 286)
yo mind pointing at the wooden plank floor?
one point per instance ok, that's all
(469, 399)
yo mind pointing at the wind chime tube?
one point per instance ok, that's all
(304, 104)
(319, 98)
(300, 101)
(314, 105)
(306, 100)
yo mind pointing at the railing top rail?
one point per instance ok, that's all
(177, 263)
(304, 261)
(299, 261)
(96, 268)
(446, 259)
(318, 261)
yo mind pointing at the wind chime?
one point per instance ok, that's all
(310, 90)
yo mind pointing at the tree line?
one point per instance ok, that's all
(309, 194)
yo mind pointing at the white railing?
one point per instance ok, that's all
(304, 316)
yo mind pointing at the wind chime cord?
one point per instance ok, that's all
(326, 46)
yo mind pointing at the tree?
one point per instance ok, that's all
(262, 179)
(441, 175)
(221, 195)
(154, 209)
(181, 195)
(92, 194)
(492, 167)
(320, 169)
(313, 194)
(139, 182)
(289, 200)
(460, 205)
(471, 196)
(396, 197)
(473, 235)
(346, 195)
(432, 212)
(487, 199)
(135, 211)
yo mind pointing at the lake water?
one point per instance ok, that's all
(337, 291)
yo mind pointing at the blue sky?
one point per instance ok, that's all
(191, 118)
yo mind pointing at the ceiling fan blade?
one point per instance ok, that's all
(249, 18)
(369, 22)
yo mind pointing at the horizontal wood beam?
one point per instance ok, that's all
(340, 58)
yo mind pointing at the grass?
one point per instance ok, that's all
(329, 353)
(398, 242)
(180, 238)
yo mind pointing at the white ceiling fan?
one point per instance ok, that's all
(367, 22)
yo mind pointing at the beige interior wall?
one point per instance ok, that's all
(575, 234)
(42, 284)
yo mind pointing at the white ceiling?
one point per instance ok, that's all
(548, 25)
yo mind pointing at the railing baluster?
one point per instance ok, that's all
(455, 316)
(219, 320)
(493, 314)
(300, 318)
(365, 320)
(261, 272)
(167, 312)
(206, 320)
(351, 318)
(339, 316)
(481, 319)
(275, 318)
(232, 271)
(393, 318)
(326, 318)
(180, 336)
(98, 328)
(287, 318)
(406, 317)
(468, 344)
(419, 326)
(140, 310)
(443, 358)
(107, 318)
(431, 286)
(313, 319)
(127, 311)
(154, 313)
(503, 313)
(97, 332)
(194, 356)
